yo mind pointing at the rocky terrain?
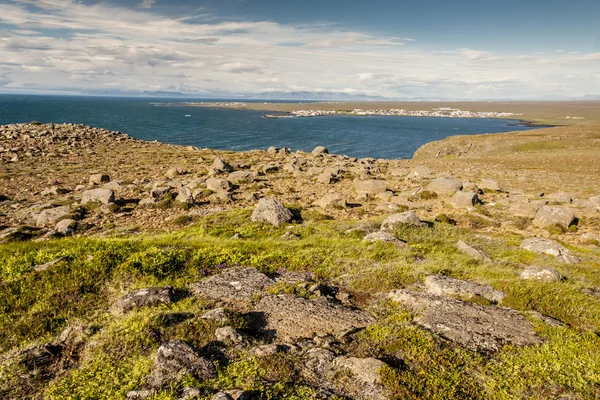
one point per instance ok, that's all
(139, 270)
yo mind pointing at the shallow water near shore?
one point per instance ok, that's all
(228, 129)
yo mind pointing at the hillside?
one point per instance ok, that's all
(139, 270)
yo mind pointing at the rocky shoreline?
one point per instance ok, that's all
(480, 247)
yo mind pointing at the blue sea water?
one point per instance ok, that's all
(227, 129)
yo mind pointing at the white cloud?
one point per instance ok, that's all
(107, 46)
(147, 3)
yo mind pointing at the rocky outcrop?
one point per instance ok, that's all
(473, 326)
(550, 247)
(271, 211)
(234, 285)
(447, 286)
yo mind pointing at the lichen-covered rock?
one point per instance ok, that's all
(464, 199)
(271, 211)
(153, 296)
(176, 359)
(473, 326)
(541, 274)
(234, 285)
(185, 196)
(241, 177)
(229, 335)
(51, 216)
(549, 216)
(396, 221)
(288, 317)
(445, 186)
(445, 285)
(550, 247)
(101, 195)
(472, 251)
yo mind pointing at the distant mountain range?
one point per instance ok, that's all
(305, 95)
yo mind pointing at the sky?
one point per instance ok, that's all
(427, 49)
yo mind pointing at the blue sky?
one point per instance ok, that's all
(400, 49)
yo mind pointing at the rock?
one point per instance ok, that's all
(271, 211)
(541, 274)
(176, 359)
(218, 315)
(315, 364)
(397, 221)
(479, 328)
(147, 297)
(370, 186)
(320, 150)
(103, 196)
(289, 235)
(561, 197)
(52, 263)
(384, 237)
(185, 196)
(222, 396)
(229, 335)
(219, 165)
(139, 394)
(189, 392)
(421, 171)
(51, 216)
(464, 199)
(550, 247)
(272, 150)
(218, 185)
(334, 200)
(241, 177)
(175, 171)
(326, 178)
(365, 370)
(266, 350)
(269, 168)
(234, 285)
(489, 184)
(472, 251)
(445, 186)
(289, 317)
(16, 234)
(97, 179)
(549, 216)
(447, 286)
(546, 319)
(66, 227)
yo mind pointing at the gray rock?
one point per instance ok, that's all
(365, 370)
(445, 285)
(139, 394)
(266, 350)
(370, 186)
(101, 195)
(397, 221)
(175, 171)
(189, 393)
(546, 319)
(421, 171)
(44, 267)
(185, 196)
(320, 150)
(326, 178)
(334, 200)
(218, 185)
(472, 251)
(234, 285)
(229, 335)
(66, 227)
(153, 296)
(51, 216)
(473, 326)
(548, 216)
(385, 237)
(219, 165)
(222, 396)
(490, 184)
(218, 315)
(550, 247)
(272, 150)
(271, 211)
(289, 317)
(445, 186)
(175, 360)
(541, 274)
(97, 179)
(464, 199)
(241, 177)
(315, 364)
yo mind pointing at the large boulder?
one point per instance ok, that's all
(66, 227)
(370, 186)
(550, 247)
(219, 165)
(104, 196)
(152, 296)
(176, 359)
(549, 216)
(448, 286)
(464, 199)
(185, 196)
(541, 274)
(271, 211)
(396, 221)
(289, 317)
(479, 328)
(445, 186)
(218, 185)
(51, 216)
(234, 285)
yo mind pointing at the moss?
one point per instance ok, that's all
(427, 195)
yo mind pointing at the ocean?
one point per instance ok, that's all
(227, 129)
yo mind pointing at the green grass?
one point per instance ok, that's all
(36, 306)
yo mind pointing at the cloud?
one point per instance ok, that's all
(70, 45)
(147, 3)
